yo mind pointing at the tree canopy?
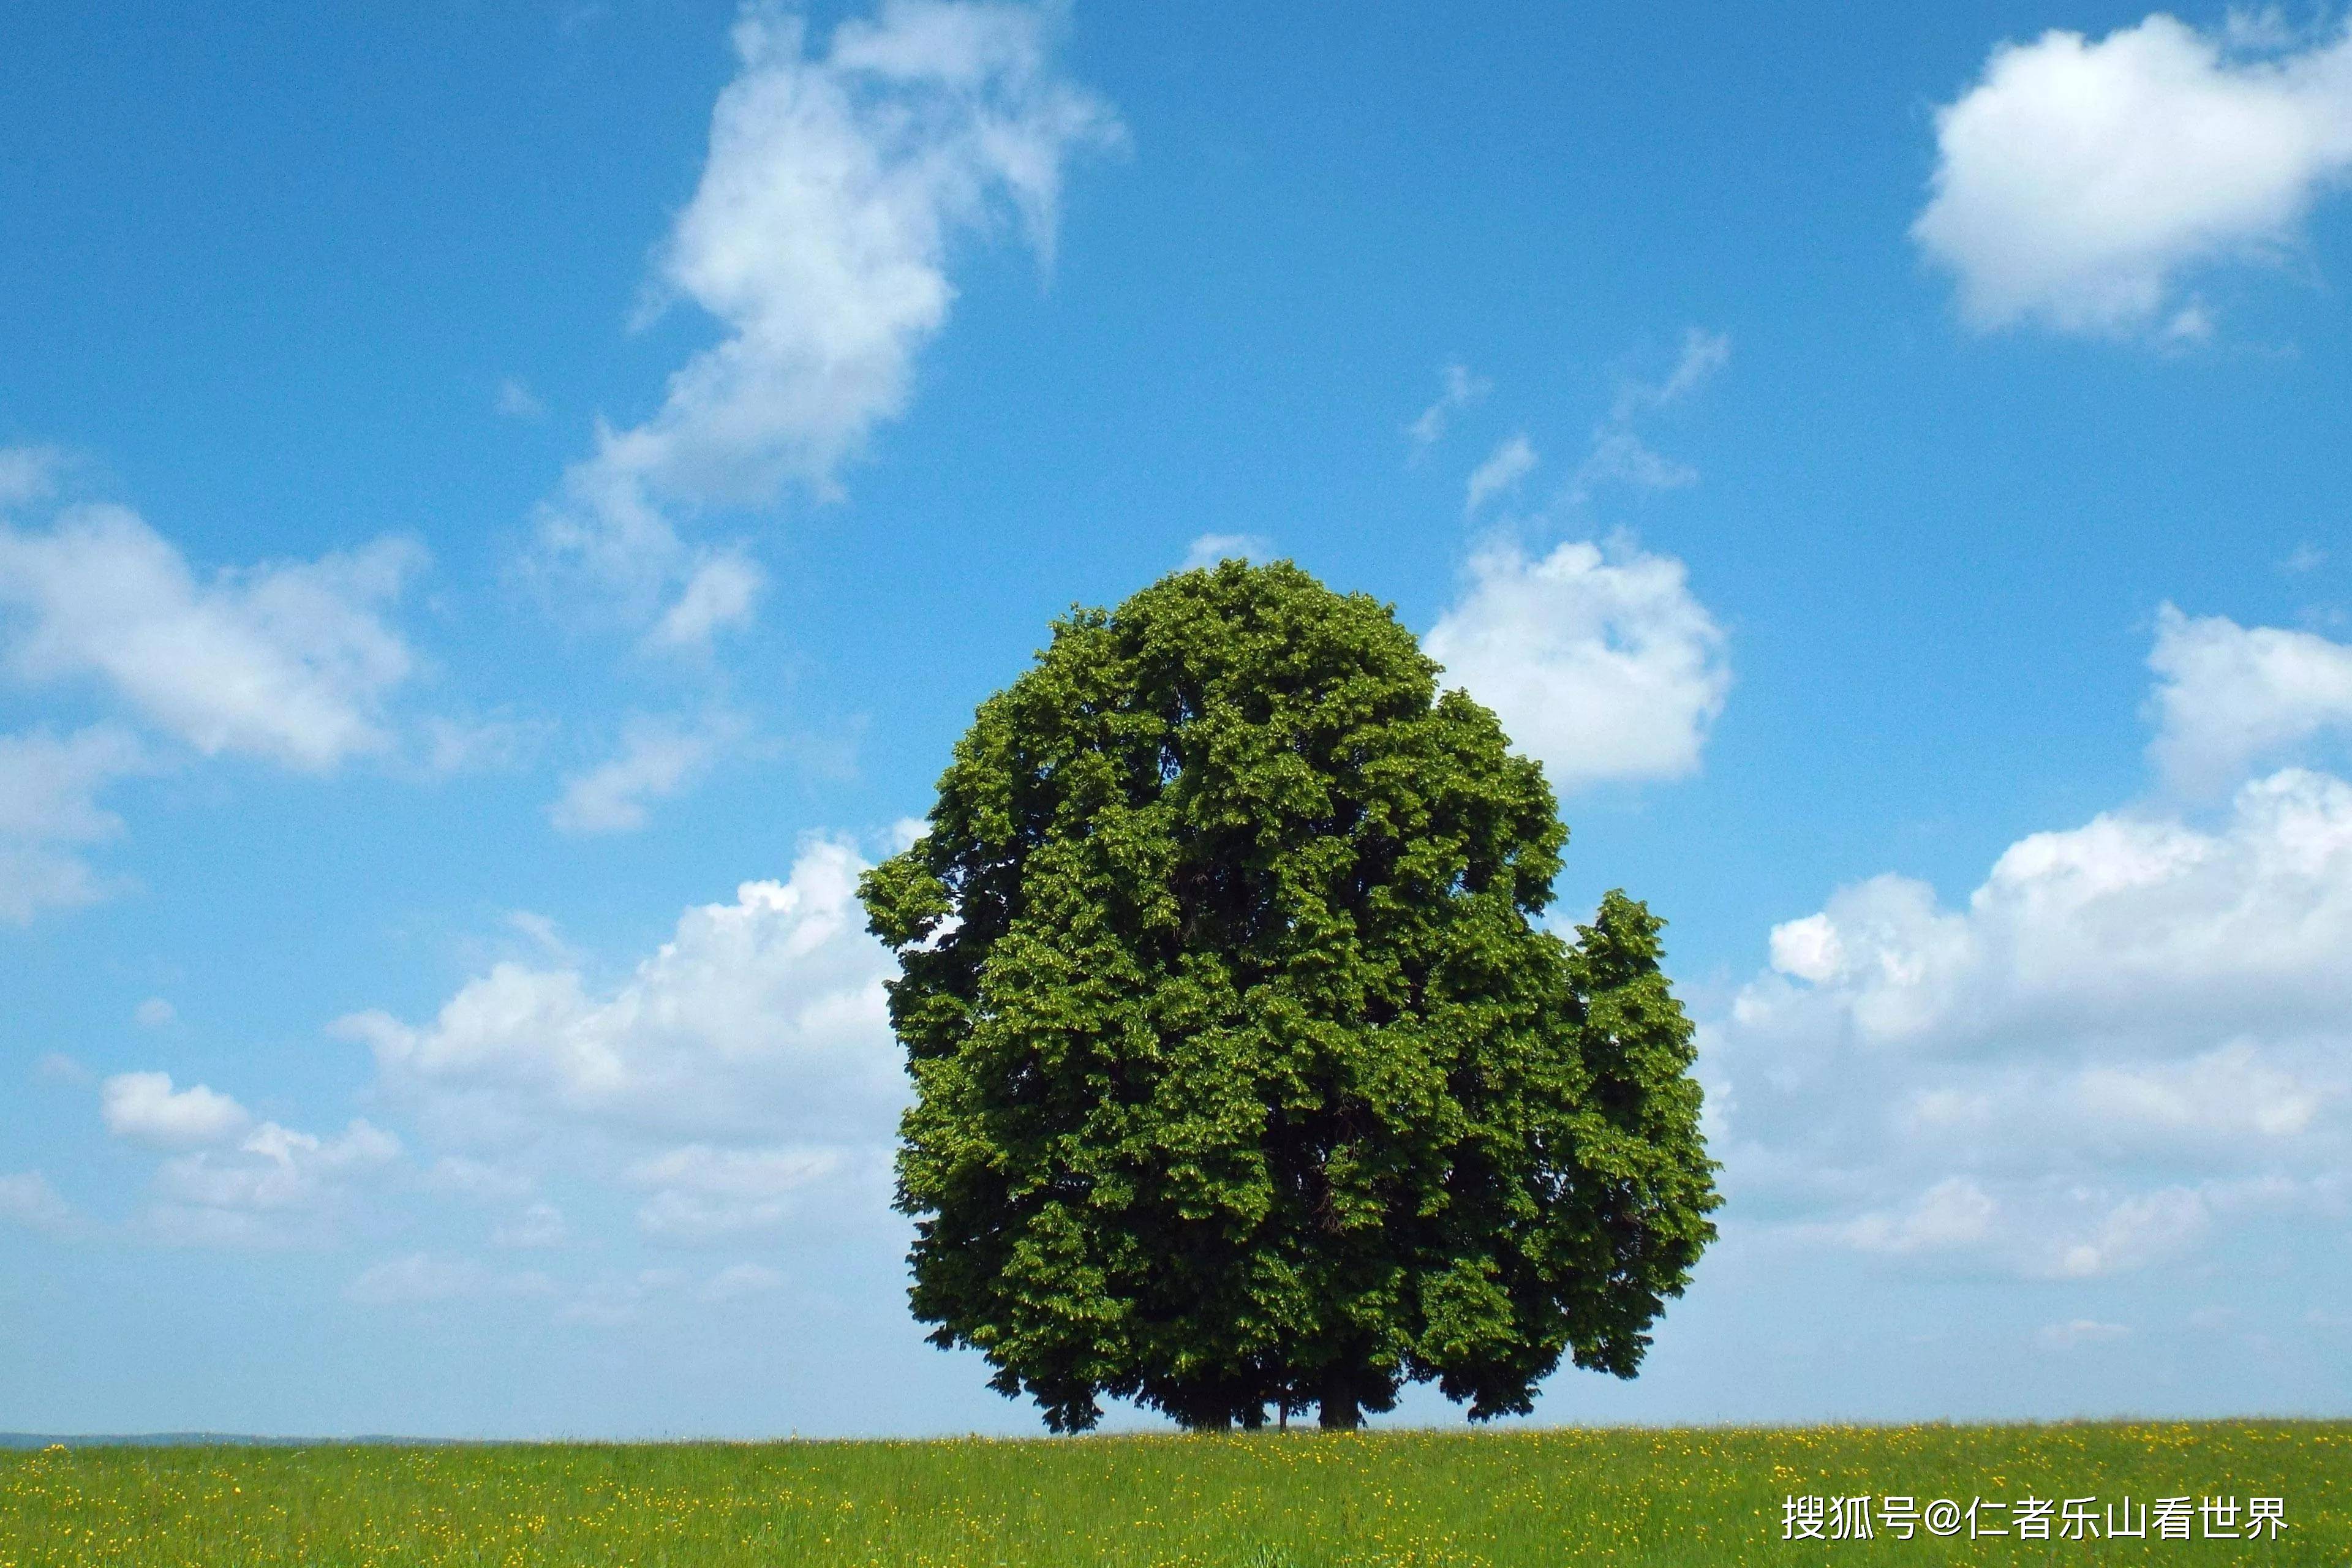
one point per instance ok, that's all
(1244, 1077)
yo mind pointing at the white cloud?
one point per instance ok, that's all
(702, 1194)
(742, 1082)
(49, 801)
(2229, 1092)
(27, 1199)
(608, 1302)
(760, 1021)
(1954, 1213)
(1619, 455)
(1461, 390)
(2077, 181)
(1598, 659)
(48, 784)
(275, 1187)
(27, 474)
(447, 747)
(56, 1067)
(422, 1278)
(2228, 696)
(837, 181)
(34, 878)
(155, 1013)
(540, 1226)
(1809, 949)
(1512, 460)
(741, 1279)
(239, 1185)
(281, 1169)
(1704, 355)
(2193, 323)
(289, 661)
(143, 1107)
(658, 758)
(722, 592)
(545, 934)
(2132, 1032)
(2137, 1232)
(517, 401)
(2079, 1331)
(2132, 922)
(459, 1176)
(2038, 1229)
(1211, 548)
(1601, 663)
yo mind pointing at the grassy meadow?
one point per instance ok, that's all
(1272, 1501)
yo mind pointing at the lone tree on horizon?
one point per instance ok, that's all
(1244, 1078)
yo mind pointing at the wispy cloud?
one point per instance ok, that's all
(28, 474)
(1619, 454)
(1462, 390)
(658, 757)
(49, 812)
(517, 401)
(27, 1199)
(1512, 460)
(838, 179)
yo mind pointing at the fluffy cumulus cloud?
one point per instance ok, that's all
(2131, 1038)
(275, 1186)
(741, 1087)
(841, 173)
(2228, 696)
(2079, 182)
(1600, 661)
(749, 1055)
(229, 1181)
(1597, 657)
(143, 1107)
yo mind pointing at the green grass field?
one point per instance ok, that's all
(1613, 1495)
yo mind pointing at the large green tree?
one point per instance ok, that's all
(1245, 1077)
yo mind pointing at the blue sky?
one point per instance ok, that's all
(503, 511)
